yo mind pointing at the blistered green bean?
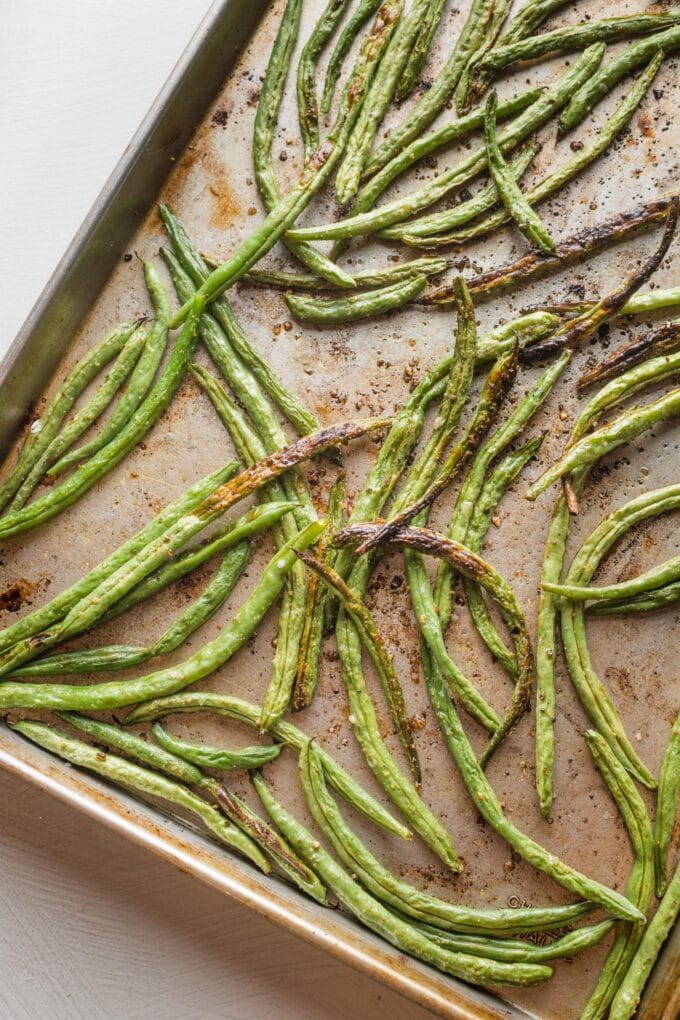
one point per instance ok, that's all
(216, 757)
(420, 49)
(667, 801)
(655, 577)
(427, 266)
(365, 10)
(308, 108)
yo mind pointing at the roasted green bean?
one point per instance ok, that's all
(427, 266)
(420, 49)
(307, 103)
(216, 757)
(365, 10)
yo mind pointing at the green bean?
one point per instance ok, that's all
(358, 306)
(590, 689)
(317, 605)
(427, 144)
(266, 117)
(427, 266)
(315, 174)
(54, 610)
(420, 49)
(464, 90)
(651, 579)
(523, 24)
(232, 345)
(508, 950)
(552, 182)
(202, 663)
(425, 231)
(586, 242)
(365, 10)
(377, 101)
(613, 393)
(150, 754)
(44, 429)
(511, 196)
(249, 714)
(666, 596)
(141, 422)
(598, 444)
(100, 400)
(610, 74)
(498, 481)
(377, 918)
(490, 808)
(378, 651)
(629, 991)
(113, 657)
(395, 893)
(308, 110)
(667, 800)
(145, 781)
(640, 887)
(89, 609)
(141, 380)
(574, 38)
(216, 757)
(468, 167)
(436, 97)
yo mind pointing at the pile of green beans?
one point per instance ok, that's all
(321, 570)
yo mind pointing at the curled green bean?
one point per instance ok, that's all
(216, 757)
(656, 577)
(249, 714)
(598, 444)
(357, 306)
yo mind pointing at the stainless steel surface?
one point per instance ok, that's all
(365, 369)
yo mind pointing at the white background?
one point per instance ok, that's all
(89, 925)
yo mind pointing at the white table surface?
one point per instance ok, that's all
(91, 926)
